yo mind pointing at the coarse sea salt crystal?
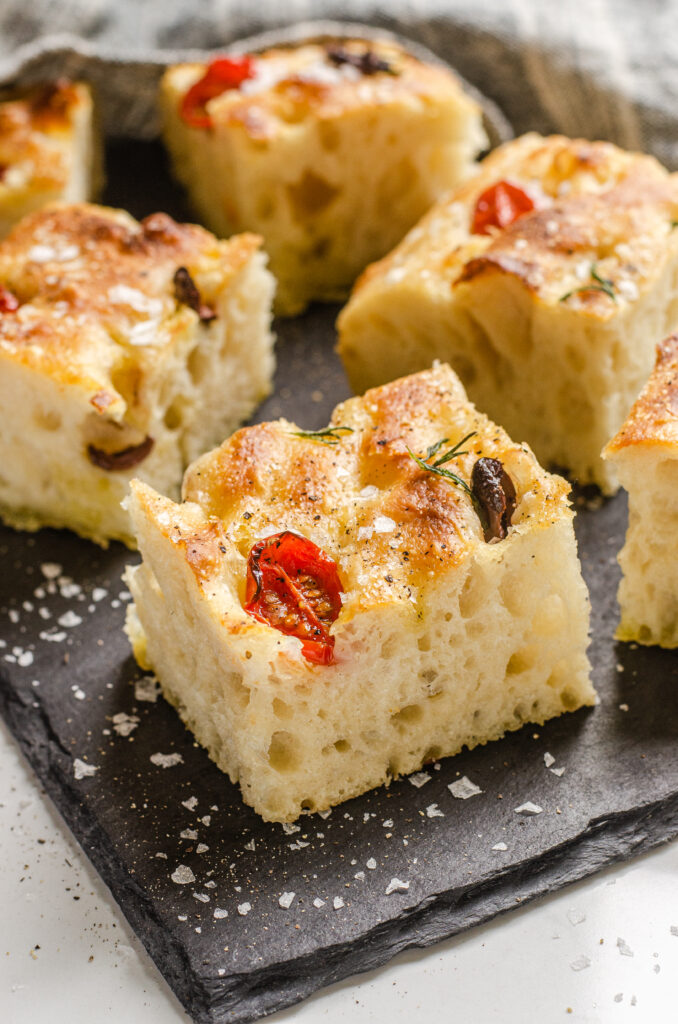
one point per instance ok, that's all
(82, 770)
(368, 493)
(48, 254)
(188, 833)
(580, 963)
(549, 759)
(419, 779)
(124, 724)
(396, 885)
(99, 593)
(220, 913)
(500, 847)
(286, 900)
(25, 659)
(557, 771)
(528, 809)
(575, 916)
(202, 897)
(338, 903)
(147, 689)
(244, 909)
(365, 532)
(371, 864)
(122, 294)
(433, 811)
(50, 570)
(251, 846)
(318, 903)
(624, 948)
(69, 619)
(463, 788)
(289, 829)
(190, 804)
(166, 760)
(383, 524)
(182, 875)
(201, 848)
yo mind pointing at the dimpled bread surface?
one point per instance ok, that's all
(106, 373)
(443, 639)
(331, 166)
(551, 322)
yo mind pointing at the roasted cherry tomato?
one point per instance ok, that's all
(294, 586)
(8, 301)
(222, 74)
(499, 206)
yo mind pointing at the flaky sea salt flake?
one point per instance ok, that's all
(82, 770)
(182, 875)
(396, 885)
(166, 760)
(528, 809)
(463, 788)
(286, 900)
(419, 779)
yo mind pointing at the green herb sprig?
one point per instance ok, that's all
(437, 466)
(602, 284)
(330, 435)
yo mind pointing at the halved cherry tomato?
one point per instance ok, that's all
(294, 586)
(499, 206)
(222, 74)
(8, 300)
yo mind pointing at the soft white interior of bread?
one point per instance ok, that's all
(204, 383)
(648, 592)
(498, 642)
(328, 195)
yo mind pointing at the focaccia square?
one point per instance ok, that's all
(126, 349)
(546, 282)
(645, 455)
(430, 600)
(330, 151)
(49, 149)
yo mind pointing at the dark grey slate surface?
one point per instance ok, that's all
(618, 796)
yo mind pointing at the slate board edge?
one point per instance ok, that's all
(252, 995)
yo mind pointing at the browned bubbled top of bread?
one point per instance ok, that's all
(653, 420)
(93, 281)
(28, 120)
(389, 524)
(596, 206)
(301, 81)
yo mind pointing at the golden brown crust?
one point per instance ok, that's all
(598, 209)
(96, 291)
(388, 523)
(653, 420)
(28, 121)
(305, 83)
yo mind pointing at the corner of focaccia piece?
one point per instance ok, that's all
(545, 282)
(126, 349)
(328, 611)
(645, 455)
(330, 151)
(50, 150)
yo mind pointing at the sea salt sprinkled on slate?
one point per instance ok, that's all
(371, 864)
(147, 689)
(500, 847)
(580, 963)
(188, 833)
(166, 760)
(25, 659)
(99, 593)
(251, 845)
(220, 913)
(201, 848)
(575, 916)
(82, 770)
(463, 788)
(549, 759)
(50, 570)
(124, 724)
(433, 811)
(360, 875)
(286, 900)
(388, 823)
(624, 948)
(324, 814)
(557, 771)
(182, 875)
(69, 619)
(419, 779)
(395, 885)
(528, 808)
(207, 819)
(318, 903)
(290, 829)
(190, 804)
(201, 896)
(244, 909)
(78, 693)
(623, 707)
(337, 903)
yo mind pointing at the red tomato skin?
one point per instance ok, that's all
(499, 206)
(222, 74)
(8, 300)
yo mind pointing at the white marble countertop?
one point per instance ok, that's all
(605, 949)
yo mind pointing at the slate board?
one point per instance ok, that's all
(618, 796)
